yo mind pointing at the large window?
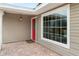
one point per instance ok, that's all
(55, 26)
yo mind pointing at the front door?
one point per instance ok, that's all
(33, 29)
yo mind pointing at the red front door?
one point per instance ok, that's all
(33, 30)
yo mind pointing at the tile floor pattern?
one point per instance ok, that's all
(25, 49)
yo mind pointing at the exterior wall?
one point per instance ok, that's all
(74, 34)
(15, 30)
(1, 18)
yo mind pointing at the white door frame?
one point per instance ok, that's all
(35, 28)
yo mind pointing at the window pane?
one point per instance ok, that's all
(50, 35)
(55, 27)
(57, 23)
(47, 35)
(64, 40)
(57, 31)
(64, 23)
(44, 35)
(57, 39)
(44, 19)
(53, 36)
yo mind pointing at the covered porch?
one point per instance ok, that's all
(16, 27)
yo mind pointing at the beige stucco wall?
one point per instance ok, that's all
(74, 34)
(14, 30)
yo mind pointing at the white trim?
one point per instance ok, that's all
(1, 19)
(31, 28)
(68, 26)
(35, 29)
(7, 5)
(40, 9)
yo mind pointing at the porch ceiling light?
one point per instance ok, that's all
(21, 19)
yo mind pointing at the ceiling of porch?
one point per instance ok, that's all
(28, 8)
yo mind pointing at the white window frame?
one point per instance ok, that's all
(68, 26)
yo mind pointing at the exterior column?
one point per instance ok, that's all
(1, 18)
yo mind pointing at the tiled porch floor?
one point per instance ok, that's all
(25, 49)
